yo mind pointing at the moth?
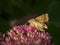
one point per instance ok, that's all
(39, 22)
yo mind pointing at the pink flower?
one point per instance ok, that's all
(11, 33)
(18, 29)
(25, 35)
(29, 29)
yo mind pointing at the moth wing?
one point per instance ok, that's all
(34, 23)
(43, 18)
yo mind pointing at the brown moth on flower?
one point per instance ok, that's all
(39, 22)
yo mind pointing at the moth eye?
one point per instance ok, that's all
(27, 23)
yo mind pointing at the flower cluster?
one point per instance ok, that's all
(25, 35)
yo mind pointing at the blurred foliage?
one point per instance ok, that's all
(19, 7)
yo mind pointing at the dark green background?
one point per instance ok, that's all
(16, 9)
